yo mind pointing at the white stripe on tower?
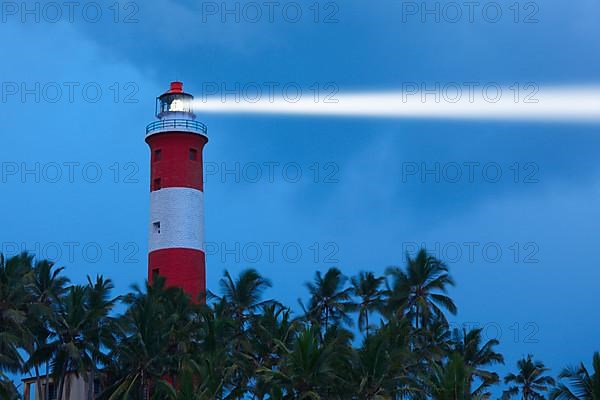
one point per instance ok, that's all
(176, 219)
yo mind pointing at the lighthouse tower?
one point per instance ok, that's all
(176, 229)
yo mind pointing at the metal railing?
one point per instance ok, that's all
(165, 124)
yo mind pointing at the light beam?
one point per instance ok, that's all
(562, 104)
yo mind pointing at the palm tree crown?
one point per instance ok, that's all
(419, 292)
(530, 381)
(583, 384)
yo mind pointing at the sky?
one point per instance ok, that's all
(510, 206)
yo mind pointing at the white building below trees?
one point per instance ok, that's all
(77, 388)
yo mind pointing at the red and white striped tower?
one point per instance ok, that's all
(176, 237)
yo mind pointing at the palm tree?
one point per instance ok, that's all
(366, 287)
(419, 292)
(99, 333)
(69, 347)
(13, 298)
(407, 366)
(143, 352)
(477, 356)
(240, 300)
(244, 294)
(330, 301)
(273, 326)
(530, 380)
(47, 283)
(45, 287)
(14, 275)
(140, 350)
(339, 340)
(190, 385)
(217, 363)
(433, 344)
(583, 385)
(8, 390)
(380, 365)
(449, 381)
(306, 370)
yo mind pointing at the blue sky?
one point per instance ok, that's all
(362, 210)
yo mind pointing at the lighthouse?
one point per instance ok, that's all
(176, 226)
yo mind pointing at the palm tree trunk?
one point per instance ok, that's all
(145, 389)
(367, 320)
(38, 382)
(90, 394)
(61, 386)
(62, 378)
(469, 384)
(47, 386)
(68, 388)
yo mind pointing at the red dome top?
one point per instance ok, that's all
(176, 87)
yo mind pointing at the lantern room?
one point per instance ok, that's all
(175, 103)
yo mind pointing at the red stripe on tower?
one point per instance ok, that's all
(176, 231)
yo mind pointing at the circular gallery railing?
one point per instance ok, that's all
(175, 124)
